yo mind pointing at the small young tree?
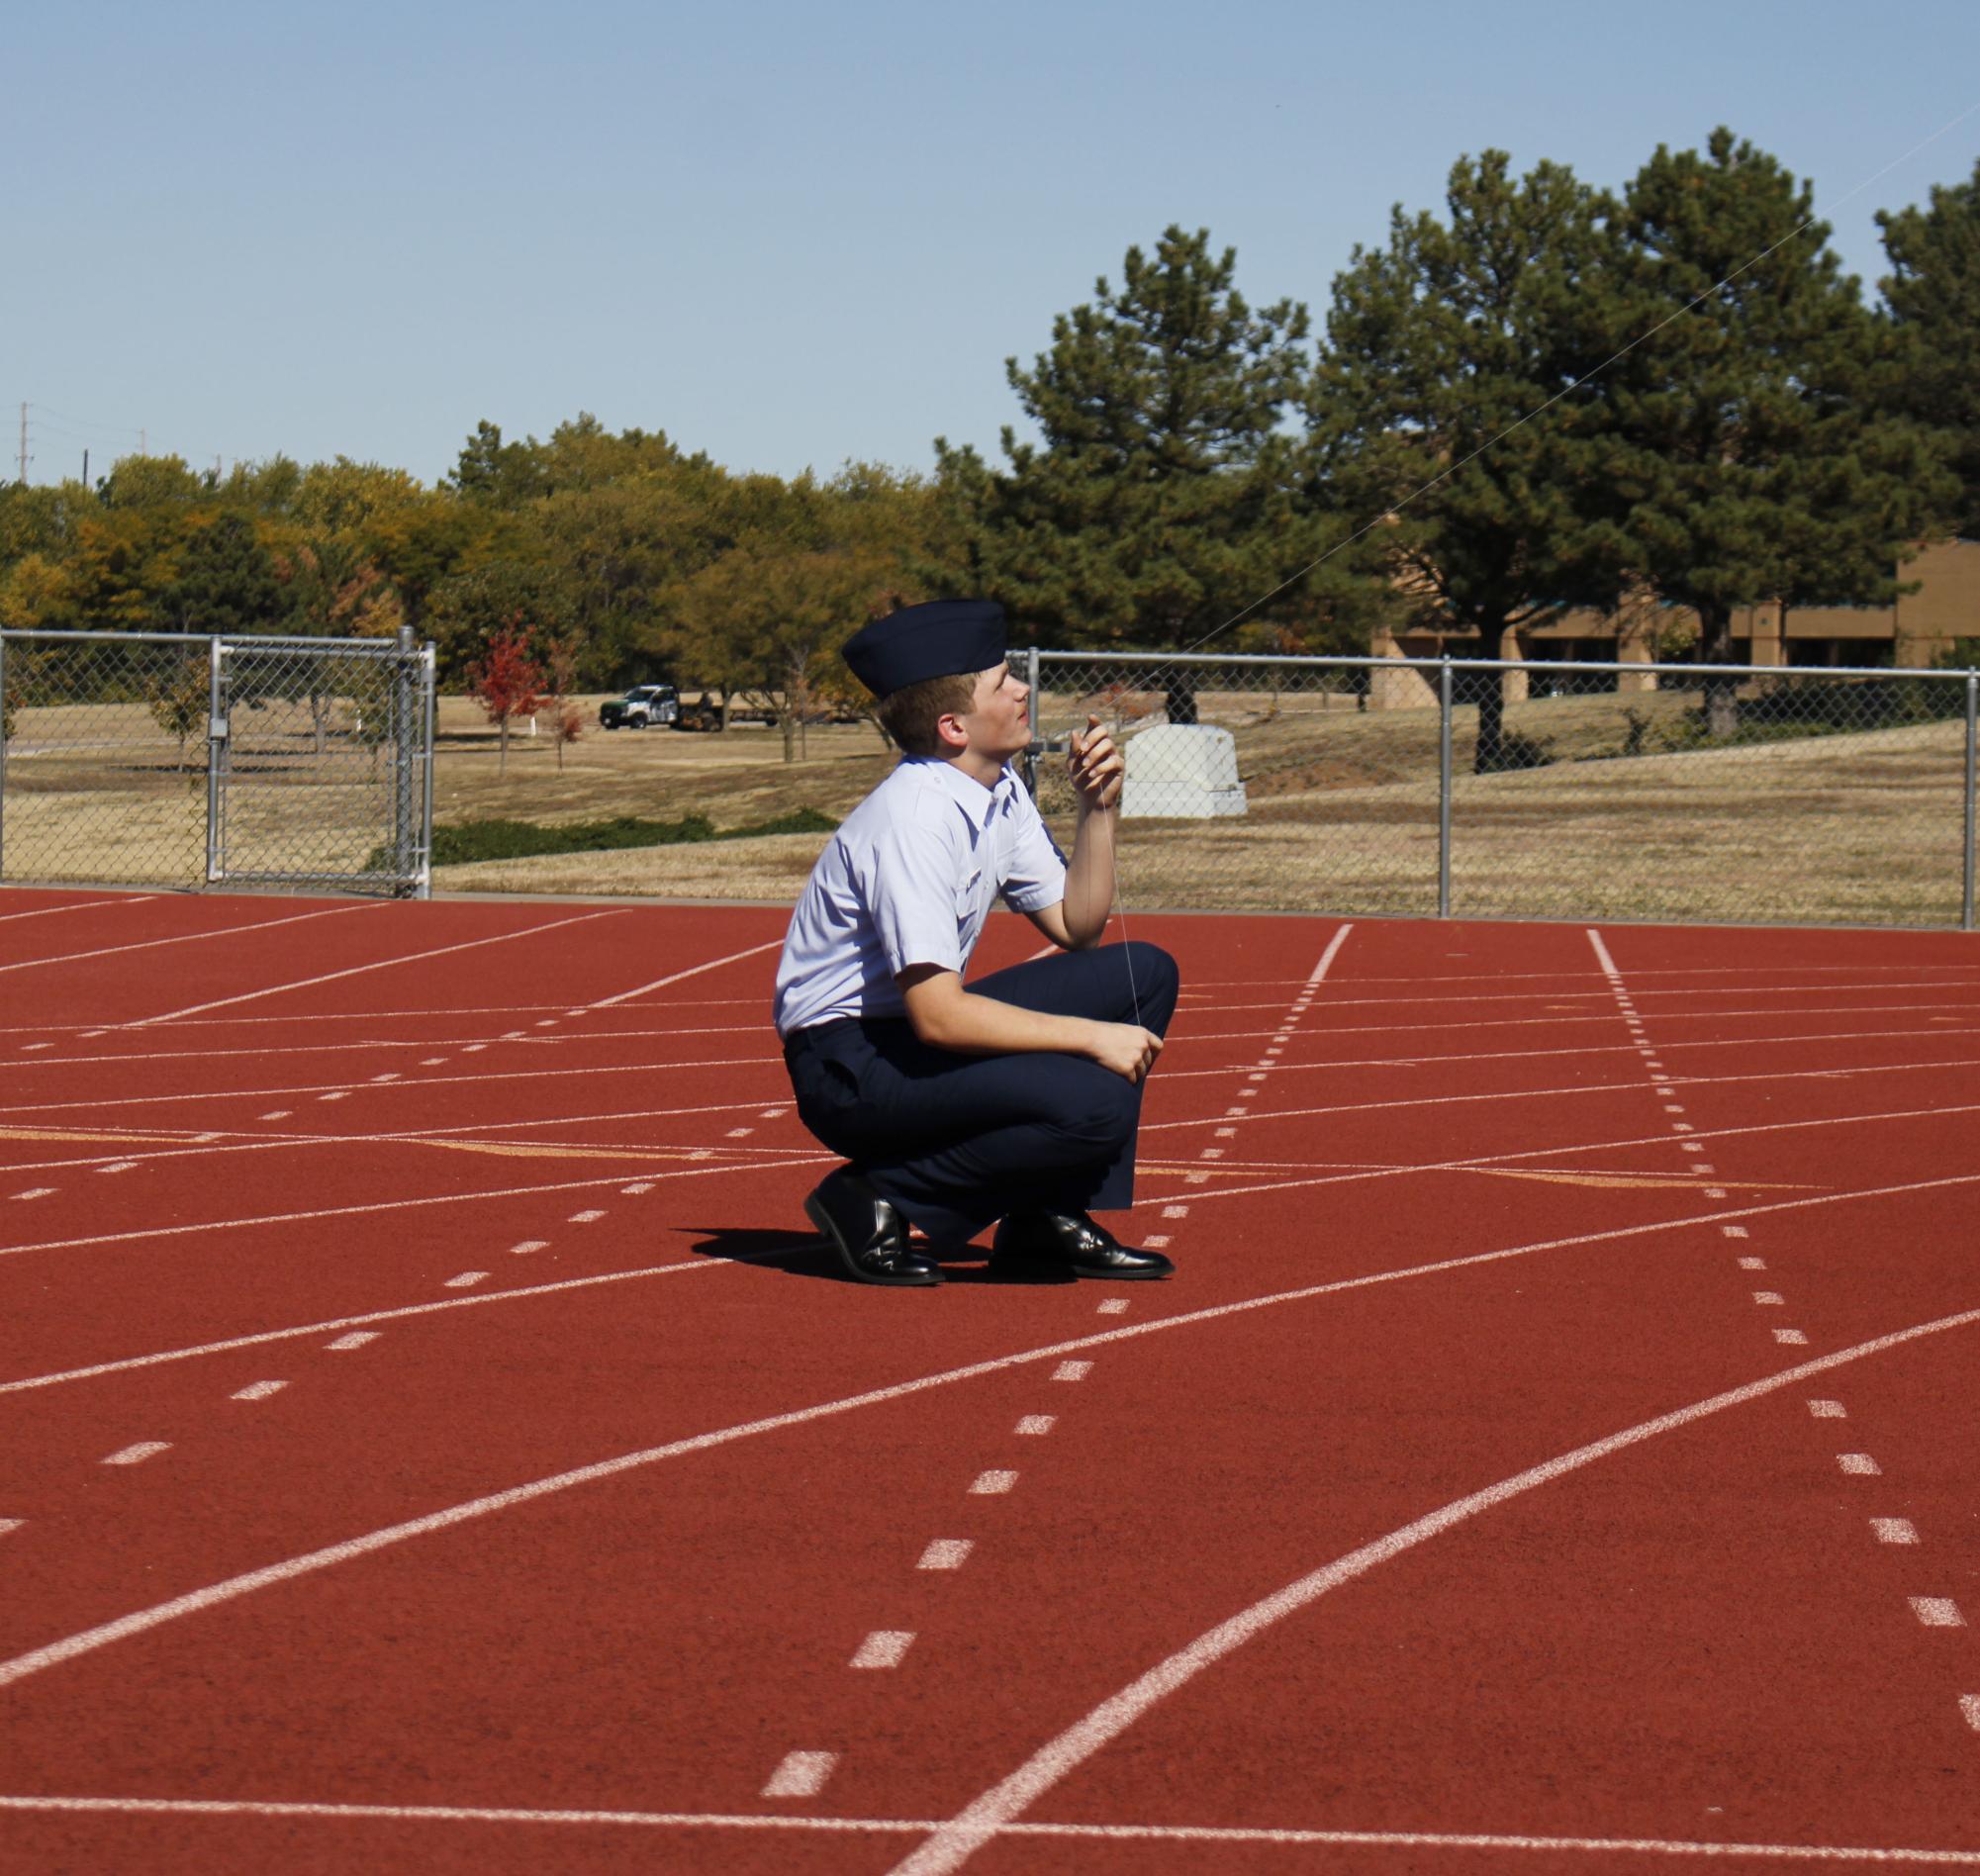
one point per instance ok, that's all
(560, 670)
(508, 683)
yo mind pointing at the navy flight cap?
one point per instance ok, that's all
(941, 640)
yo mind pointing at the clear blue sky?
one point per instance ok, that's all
(794, 233)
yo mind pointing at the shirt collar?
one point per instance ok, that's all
(979, 804)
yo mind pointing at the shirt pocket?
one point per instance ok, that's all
(969, 896)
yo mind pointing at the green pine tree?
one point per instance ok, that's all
(1933, 295)
(1750, 462)
(1165, 496)
(1448, 400)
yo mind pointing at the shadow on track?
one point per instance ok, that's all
(805, 1253)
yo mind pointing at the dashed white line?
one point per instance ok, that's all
(260, 1390)
(117, 1165)
(1827, 1410)
(27, 1047)
(36, 1191)
(433, 1061)
(990, 1484)
(528, 1245)
(10, 1524)
(139, 1454)
(1938, 1612)
(1894, 1529)
(474, 1048)
(1113, 1306)
(1227, 1133)
(800, 1774)
(1794, 1338)
(740, 1133)
(638, 1192)
(1969, 1706)
(585, 1217)
(355, 1340)
(1176, 1211)
(1735, 1231)
(335, 1094)
(1156, 1240)
(946, 1553)
(1037, 1423)
(884, 1648)
(279, 1113)
(1769, 1298)
(1071, 1370)
(389, 1075)
(466, 1280)
(771, 1113)
(546, 1022)
(1861, 1464)
(1753, 1263)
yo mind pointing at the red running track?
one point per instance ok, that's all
(433, 1440)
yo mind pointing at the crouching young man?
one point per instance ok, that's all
(1016, 1100)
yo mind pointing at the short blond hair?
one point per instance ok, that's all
(909, 715)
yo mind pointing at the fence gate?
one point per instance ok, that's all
(175, 761)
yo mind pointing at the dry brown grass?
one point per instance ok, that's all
(1342, 816)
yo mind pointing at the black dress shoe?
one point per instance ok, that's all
(870, 1236)
(1071, 1241)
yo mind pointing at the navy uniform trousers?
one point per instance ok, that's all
(956, 1141)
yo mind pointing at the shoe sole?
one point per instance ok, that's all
(1016, 1267)
(819, 1215)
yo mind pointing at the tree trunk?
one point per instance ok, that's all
(502, 743)
(1179, 697)
(1490, 755)
(1721, 695)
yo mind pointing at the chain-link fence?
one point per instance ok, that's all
(1480, 788)
(178, 761)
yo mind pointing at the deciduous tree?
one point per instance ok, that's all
(507, 682)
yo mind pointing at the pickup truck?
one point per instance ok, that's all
(644, 707)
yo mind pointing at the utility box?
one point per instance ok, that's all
(1182, 772)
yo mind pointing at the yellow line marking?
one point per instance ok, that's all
(95, 1136)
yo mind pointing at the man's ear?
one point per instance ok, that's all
(950, 733)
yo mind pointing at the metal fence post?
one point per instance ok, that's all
(1967, 845)
(425, 889)
(216, 755)
(1028, 764)
(1444, 692)
(3, 755)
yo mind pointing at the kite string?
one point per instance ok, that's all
(1443, 475)
(1574, 385)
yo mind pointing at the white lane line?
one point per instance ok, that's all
(139, 1454)
(676, 977)
(10, 1524)
(355, 1340)
(140, 1620)
(1156, 1240)
(260, 1390)
(740, 1133)
(637, 1190)
(979, 1822)
(819, 1766)
(946, 1553)
(884, 1648)
(1938, 1612)
(771, 1113)
(335, 1094)
(1753, 1263)
(474, 1048)
(117, 1165)
(1969, 1706)
(1767, 1297)
(1794, 1338)
(800, 1774)
(1859, 1463)
(1227, 1133)
(27, 1047)
(280, 1114)
(989, 1484)
(1071, 1370)
(1734, 1231)
(36, 1191)
(466, 1280)
(1827, 1410)
(380, 963)
(433, 1061)
(585, 1217)
(713, 1171)
(1894, 1529)
(380, 1080)
(185, 938)
(546, 1022)
(1037, 1423)
(522, 1293)
(1176, 1211)
(80, 906)
(527, 1246)
(1113, 1306)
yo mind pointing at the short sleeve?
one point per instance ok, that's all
(909, 889)
(1037, 873)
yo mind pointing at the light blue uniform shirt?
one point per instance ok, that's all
(907, 880)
